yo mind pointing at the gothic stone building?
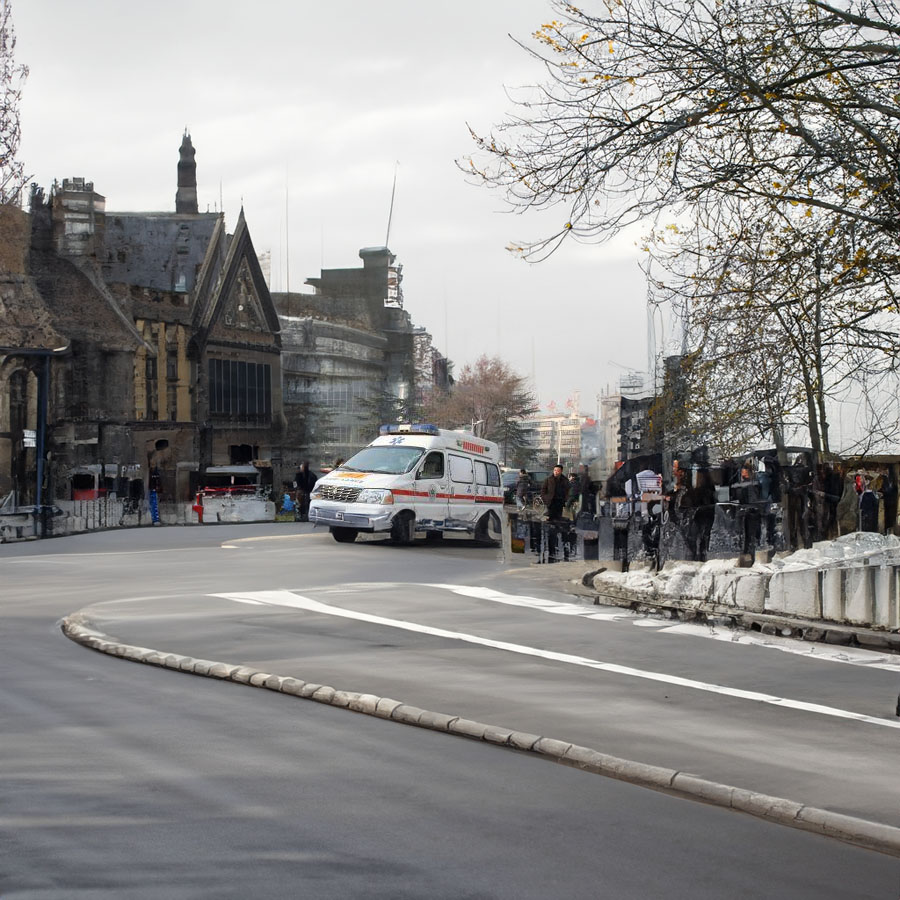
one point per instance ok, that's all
(169, 338)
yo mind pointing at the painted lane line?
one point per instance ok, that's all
(297, 601)
(854, 656)
(549, 606)
(870, 659)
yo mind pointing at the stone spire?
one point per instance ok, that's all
(186, 196)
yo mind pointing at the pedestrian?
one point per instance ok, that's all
(586, 491)
(154, 486)
(889, 499)
(799, 478)
(554, 492)
(573, 496)
(523, 486)
(305, 481)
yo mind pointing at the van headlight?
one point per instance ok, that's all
(371, 495)
(316, 492)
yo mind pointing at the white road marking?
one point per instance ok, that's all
(548, 606)
(855, 656)
(825, 652)
(297, 601)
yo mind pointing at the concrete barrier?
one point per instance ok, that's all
(854, 580)
(795, 592)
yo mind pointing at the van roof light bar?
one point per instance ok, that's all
(406, 428)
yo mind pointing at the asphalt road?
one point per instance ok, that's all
(122, 780)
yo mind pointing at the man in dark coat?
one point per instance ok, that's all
(305, 481)
(555, 492)
(586, 490)
(523, 488)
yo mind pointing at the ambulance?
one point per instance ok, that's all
(413, 480)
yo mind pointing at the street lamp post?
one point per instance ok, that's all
(43, 380)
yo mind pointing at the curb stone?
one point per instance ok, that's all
(860, 832)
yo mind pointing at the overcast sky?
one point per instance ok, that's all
(300, 110)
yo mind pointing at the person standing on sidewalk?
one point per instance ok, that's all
(586, 491)
(554, 492)
(523, 485)
(306, 481)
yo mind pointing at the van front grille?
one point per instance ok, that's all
(339, 493)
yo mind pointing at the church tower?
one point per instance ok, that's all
(186, 196)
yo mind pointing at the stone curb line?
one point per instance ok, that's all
(860, 832)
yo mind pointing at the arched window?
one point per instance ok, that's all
(18, 401)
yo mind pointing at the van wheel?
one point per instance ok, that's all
(344, 535)
(488, 530)
(403, 529)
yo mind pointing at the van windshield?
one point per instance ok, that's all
(384, 460)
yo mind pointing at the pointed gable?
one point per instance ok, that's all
(239, 309)
(242, 308)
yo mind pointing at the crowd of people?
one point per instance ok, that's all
(562, 496)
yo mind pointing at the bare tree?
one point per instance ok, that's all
(784, 318)
(12, 78)
(770, 127)
(490, 397)
(659, 103)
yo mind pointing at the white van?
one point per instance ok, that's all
(413, 478)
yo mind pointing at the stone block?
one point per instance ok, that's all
(832, 587)
(242, 675)
(437, 721)
(522, 740)
(725, 588)
(591, 760)
(876, 835)
(409, 715)
(795, 593)
(859, 595)
(641, 773)
(365, 703)
(219, 670)
(495, 735)
(841, 638)
(385, 707)
(295, 687)
(765, 806)
(751, 591)
(885, 605)
(550, 747)
(468, 728)
(701, 789)
(873, 640)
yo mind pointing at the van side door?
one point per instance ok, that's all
(487, 481)
(432, 491)
(463, 491)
